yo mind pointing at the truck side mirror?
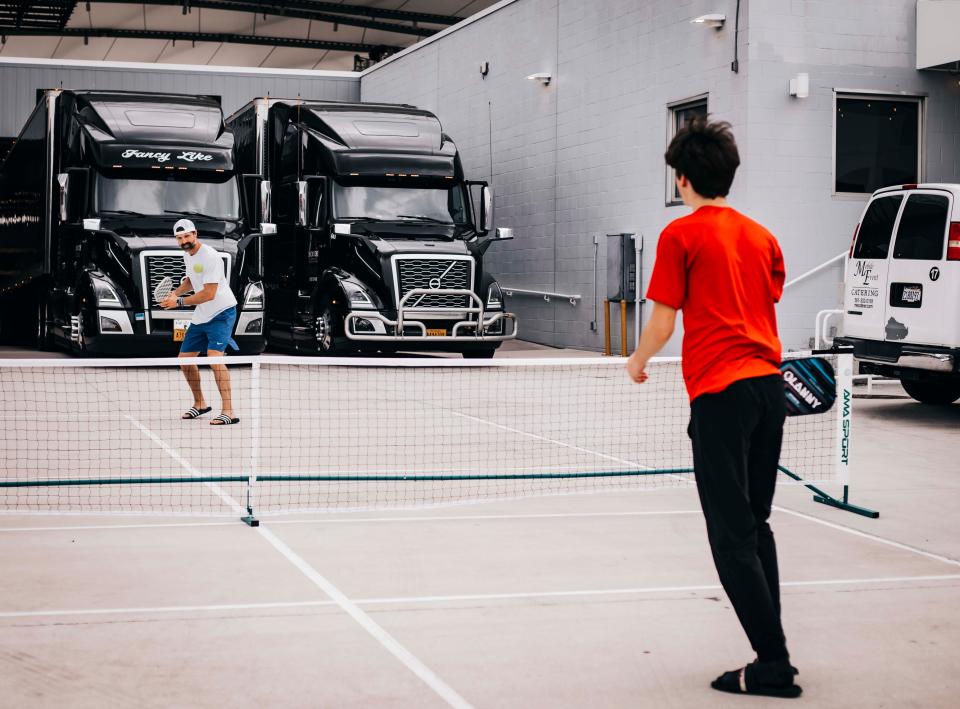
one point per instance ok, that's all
(63, 179)
(266, 201)
(73, 193)
(251, 197)
(316, 191)
(302, 209)
(486, 208)
(503, 233)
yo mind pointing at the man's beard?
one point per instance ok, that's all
(188, 246)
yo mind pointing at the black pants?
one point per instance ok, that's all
(736, 436)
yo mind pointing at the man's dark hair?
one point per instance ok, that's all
(706, 154)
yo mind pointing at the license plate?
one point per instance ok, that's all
(436, 332)
(911, 295)
(180, 329)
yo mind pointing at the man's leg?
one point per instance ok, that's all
(762, 474)
(721, 428)
(222, 375)
(192, 374)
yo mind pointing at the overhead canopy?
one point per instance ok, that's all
(938, 44)
(301, 34)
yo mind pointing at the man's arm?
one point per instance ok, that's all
(208, 292)
(654, 336)
(184, 287)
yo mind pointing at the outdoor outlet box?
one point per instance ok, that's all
(621, 267)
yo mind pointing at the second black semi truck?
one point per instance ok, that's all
(380, 239)
(89, 195)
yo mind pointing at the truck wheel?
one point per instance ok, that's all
(938, 392)
(44, 336)
(479, 354)
(328, 328)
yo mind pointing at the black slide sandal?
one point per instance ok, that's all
(193, 412)
(223, 420)
(745, 681)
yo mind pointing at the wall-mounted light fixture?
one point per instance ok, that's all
(714, 19)
(543, 77)
(800, 85)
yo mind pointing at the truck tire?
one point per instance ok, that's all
(44, 336)
(328, 329)
(936, 392)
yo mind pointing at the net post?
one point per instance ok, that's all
(844, 373)
(249, 518)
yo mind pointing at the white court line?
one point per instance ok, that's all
(562, 443)
(367, 623)
(412, 663)
(413, 600)
(867, 535)
(218, 491)
(360, 520)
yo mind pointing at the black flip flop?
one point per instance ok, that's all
(223, 420)
(193, 412)
(745, 681)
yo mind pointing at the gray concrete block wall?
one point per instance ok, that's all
(20, 81)
(583, 157)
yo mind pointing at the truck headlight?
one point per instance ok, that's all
(253, 297)
(494, 296)
(105, 293)
(357, 296)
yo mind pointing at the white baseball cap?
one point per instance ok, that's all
(183, 225)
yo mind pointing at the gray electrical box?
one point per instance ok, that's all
(621, 267)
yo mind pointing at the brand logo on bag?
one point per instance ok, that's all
(801, 389)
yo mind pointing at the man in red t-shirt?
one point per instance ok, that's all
(725, 272)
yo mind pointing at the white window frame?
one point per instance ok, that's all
(865, 95)
(673, 111)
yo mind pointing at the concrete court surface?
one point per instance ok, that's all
(604, 600)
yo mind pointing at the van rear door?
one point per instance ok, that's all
(920, 300)
(864, 301)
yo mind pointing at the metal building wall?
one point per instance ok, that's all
(20, 79)
(583, 156)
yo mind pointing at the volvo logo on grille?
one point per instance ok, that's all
(434, 283)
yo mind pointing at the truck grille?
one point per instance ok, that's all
(160, 266)
(428, 273)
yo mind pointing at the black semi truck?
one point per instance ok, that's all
(89, 194)
(379, 240)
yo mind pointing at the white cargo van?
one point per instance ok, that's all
(902, 290)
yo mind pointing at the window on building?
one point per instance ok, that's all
(878, 142)
(680, 113)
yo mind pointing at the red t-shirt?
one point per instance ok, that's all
(725, 272)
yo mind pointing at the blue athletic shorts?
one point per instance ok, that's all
(215, 334)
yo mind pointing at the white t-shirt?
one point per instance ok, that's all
(206, 266)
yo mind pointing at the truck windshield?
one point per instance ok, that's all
(393, 203)
(217, 200)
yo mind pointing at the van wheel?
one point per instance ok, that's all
(938, 392)
(328, 329)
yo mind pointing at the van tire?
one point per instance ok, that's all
(936, 392)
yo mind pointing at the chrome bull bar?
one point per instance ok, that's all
(478, 326)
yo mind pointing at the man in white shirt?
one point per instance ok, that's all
(213, 319)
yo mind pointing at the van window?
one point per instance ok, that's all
(873, 239)
(923, 227)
